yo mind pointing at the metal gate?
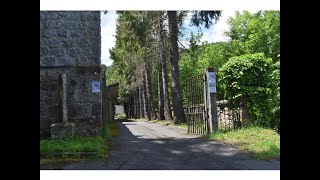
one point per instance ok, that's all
(196, 108)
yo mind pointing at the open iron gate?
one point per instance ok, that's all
(196, 107)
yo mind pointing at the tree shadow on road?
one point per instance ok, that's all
(137, 152)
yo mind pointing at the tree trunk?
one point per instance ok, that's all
(174, 58)
(144, 99)
(167, 106)
(137, 99)
(160, 93)
(141, 101)
(168, 114)
(132, 108)
(136, 103)
(126, 109)
(149, 98)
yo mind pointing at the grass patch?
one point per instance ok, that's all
(263, 143)
(79, 147)
(183, 125)
(121, 116)
(110, 130)
(95, 147)
(55, 153)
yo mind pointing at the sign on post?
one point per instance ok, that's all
(212, 82)
(212, 101)
(95, 86)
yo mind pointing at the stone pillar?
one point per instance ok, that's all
(63, 129)
(244, 111)
(64, 98)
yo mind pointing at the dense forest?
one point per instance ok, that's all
(151, 67)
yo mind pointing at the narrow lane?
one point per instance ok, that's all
(143, 145)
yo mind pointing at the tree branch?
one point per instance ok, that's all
(181, 44)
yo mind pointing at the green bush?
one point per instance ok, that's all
(275, 77)
(249, 76)
(109, 130)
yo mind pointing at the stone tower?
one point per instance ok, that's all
(70, 44)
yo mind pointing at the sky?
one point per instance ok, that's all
(108, 32)
(214, 34)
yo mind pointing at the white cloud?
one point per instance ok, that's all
(221, 27)
(217, 30)
(108, 31)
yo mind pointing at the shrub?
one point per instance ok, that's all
(249, 76)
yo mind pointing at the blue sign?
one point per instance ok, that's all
(212, 82)
(95, 86)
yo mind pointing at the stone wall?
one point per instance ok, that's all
(70, 38)
(229, 115)
(70, 43)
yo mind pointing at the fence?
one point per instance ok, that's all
(195, 108)
(203, 112)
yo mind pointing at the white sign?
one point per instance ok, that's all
(212, 82)
(95, 86)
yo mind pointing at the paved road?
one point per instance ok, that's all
(143, 145)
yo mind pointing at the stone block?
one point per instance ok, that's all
(44, 51)
(58, 52)
(49, 60)
(62, 130)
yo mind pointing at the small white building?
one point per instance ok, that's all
(119, 109)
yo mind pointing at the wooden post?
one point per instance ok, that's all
(211, 100)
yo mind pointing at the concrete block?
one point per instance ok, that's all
(62, 130)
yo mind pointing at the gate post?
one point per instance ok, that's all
(211, 100)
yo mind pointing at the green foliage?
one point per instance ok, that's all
(135, 46)
(264, 143)
(128, 52)
(249, 75)
(205, 17)
(74, 145)
(255, 69)
(275, 101)
(214, 55)
(110, 130)
(189, 59)
(121, 116)
(111, 75)
(249, 33)
(201, 56)
(252, 33)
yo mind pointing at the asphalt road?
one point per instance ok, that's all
(144, 146)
